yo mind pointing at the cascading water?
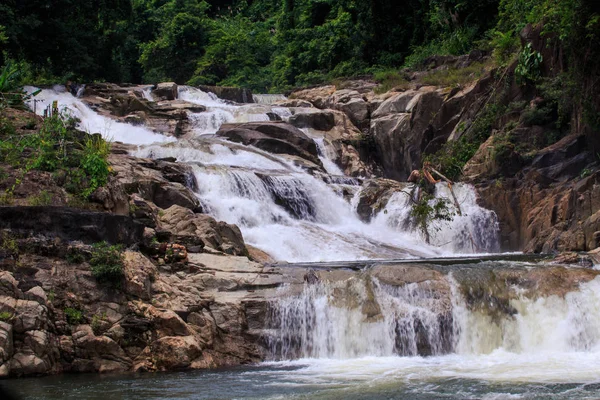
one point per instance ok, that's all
(543, 338)
(362, 337)
(92, 122)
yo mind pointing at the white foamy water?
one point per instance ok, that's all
(219, 112)
(93, 122)
(363, 331)
(280, 208)
(473, 230)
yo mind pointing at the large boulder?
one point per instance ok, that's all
(351, 103)
(275, 137)
(317, 96)
(319, 120)
(166, 91)
(202, 230)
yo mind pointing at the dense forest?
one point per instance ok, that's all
(270, 45)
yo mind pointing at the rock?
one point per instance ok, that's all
(320, 120)
(27, 364)
(374, 196)
(294, 103)
(171, 353)
(166, 91)
(37, 294)
(6, 342)
(595, 256)
(238, 95)
(403, 102)
(351, 103)
(259, 256)
(29, 315)
(189, 226)
(317, 96)
(139, 275)
(71, 224)
(275, 137)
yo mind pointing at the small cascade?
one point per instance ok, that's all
(327, 158)
(359, 317)
(268, 98)
(219, 112)
(147, 93)
(473, 229)
(362, 317)
(92, 122)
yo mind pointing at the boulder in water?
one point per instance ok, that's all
(166, 91)
(275, 137)
(319, 120)
(238, 95)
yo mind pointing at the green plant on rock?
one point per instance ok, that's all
(42, 199)
(6, 316)
(529, 66)
(107, 263)
(73, 316)
(428, 209)
(97, 323)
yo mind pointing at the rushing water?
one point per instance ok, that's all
(357, 338)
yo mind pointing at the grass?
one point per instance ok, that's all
(42, 199)
(390, 79)
(453, 77)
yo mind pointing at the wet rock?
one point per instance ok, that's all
(322, 121)
(275, 137)
(374, 196)
(166, 91)
(71, 224)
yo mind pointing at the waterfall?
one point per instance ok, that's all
(281, 208)
(472, 230)
(91, 121)
(362, 317)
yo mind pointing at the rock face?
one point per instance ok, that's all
(157, 320)
(71, 224)
(274, 137)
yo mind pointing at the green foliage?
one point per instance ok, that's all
(41, 199)
(429, 209)
(58, 147)
(97, 323)
(389, 79)
(9, 243)
(6, 316)
(107, 263)
(73, 316)
(529, 67)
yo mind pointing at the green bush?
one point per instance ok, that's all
(5, 316)
(74, 316)
(529, 67)
(107, 264)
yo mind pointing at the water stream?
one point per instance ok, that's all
(357, 338)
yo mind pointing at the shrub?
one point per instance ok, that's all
(5, 316)
(74, 316)
(529, 67)
(106, 263)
